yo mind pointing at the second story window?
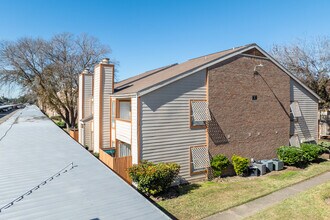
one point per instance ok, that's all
(295, 110)
(199, 113)
(124, 111)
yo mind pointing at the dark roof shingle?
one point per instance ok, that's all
(153, 77)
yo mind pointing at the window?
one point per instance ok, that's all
(295, 109)
(199, 113)
(125, 110)
(113, 113)
(124, 149)
(199, 159)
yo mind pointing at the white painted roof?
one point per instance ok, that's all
(32, 149)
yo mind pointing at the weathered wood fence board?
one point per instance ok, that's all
(117, 164)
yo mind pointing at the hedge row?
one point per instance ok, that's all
(220, 162)
(297, 156)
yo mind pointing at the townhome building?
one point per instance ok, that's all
(238, 101)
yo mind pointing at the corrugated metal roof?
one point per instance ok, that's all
(33, 149)
(148, 80)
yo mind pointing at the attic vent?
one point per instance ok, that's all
(295, 109)
(200, 111)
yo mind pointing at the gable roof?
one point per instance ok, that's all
(151, 80)
(33, 149)
(129, 81)
(172, 71)
(287, 72)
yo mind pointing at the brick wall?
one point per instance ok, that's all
(239, 125)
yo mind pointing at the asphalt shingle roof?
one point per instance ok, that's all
(153, 77)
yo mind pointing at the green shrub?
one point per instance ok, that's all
(325, 146)
(61, 124)
(153, 178)
(290, 155)
(219, 163)
(56, 118)
(311, 152)
(97, 155)
(304, 154)
(240, 164)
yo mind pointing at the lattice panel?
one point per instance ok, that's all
(294, 141)
(200, 157)
(200, 111)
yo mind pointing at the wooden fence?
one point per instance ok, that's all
(117, 164)
(74, 134)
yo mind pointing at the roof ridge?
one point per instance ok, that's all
(152, 72)
(234, 48)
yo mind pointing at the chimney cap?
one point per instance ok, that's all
(85, 71)
(105, 60)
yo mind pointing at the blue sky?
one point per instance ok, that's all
(148, 34)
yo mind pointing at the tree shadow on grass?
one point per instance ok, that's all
(176, 191)
(305, 165)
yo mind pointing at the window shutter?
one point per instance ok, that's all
(200, 157)
(295, 109)
(200, 111)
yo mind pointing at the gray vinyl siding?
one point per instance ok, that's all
(88, 135)
(80, 108)
(107, 91)
(88, 95)
(166, 135)
(96, 114)
(307, 126)
(88, 109)
(85, 107)
(134, 140)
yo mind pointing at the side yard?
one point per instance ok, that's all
(312, 204)
(199, 200)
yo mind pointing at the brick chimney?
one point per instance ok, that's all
(84, 104)
(103, 88)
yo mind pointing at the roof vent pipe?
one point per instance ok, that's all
(105, 61)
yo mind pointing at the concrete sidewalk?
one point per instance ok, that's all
(250, 208)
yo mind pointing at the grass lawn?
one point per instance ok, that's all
(312, 204)
(207, 198)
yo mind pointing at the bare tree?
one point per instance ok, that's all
(50, 68)
(309, 61)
